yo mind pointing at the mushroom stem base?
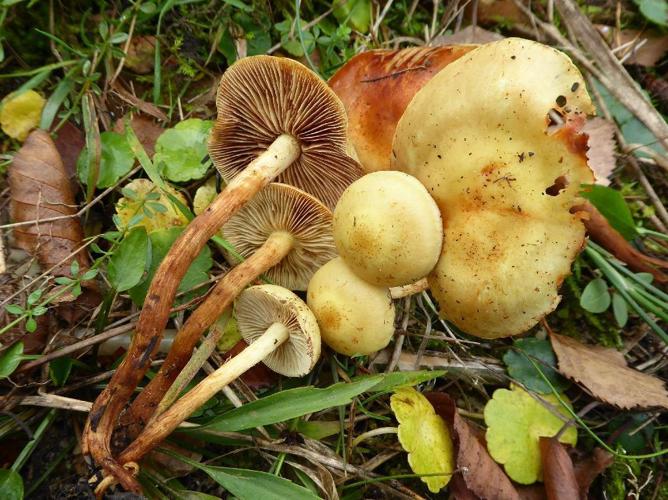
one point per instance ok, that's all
(164, 424)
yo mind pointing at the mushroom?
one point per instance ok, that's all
(476, 135)
(282, 333)
(286, 234)
(273, 115)
(376, 86)
(355, 317)
(388, 229)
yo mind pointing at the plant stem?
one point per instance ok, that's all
(277, 246)
(37, 436)
(108, 405)
(164, 424)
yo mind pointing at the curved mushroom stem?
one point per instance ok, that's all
(164, 424)
(399, 292)
(277, 246)
(108, 405)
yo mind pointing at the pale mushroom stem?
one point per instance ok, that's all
(164, 424)
(399, 292)
(103, 415)
(274, 249)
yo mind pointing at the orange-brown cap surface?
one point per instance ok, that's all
(376, 87)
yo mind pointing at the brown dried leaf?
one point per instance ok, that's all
(601, 152)
(484, 477)
(603, 371)
(69, 141)
(141, 105)
(470, 34)
(140, 55)
(600, 230)
(644, 48)
(145, 129)
(558, 472)
(588, 469)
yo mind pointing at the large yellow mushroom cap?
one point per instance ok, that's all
(477, 136)
(388, 229)
(354, 316)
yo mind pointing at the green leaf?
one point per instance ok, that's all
(318, 429)
(252, 485)
(595, 297)
(10, 360)
(161, 241)
(239, 5)
(357, 13)
(128, 263)
(522, 370)
(116, 160)
(31, 324)
(654, 10)
(11, 485)
(390, 381)
(180, 152)
(59, 370)
(611, 204)
(14, 309)
(620, 309)
(34, 297)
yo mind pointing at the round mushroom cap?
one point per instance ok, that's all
(478, 136)
(355, 317)
(388, 229)
(279, 207)
(258, 307)
(376, 86)
(262, 97)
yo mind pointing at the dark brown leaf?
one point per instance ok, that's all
(588, 469)
(558, 472)
(69, 141)
(140, 55)
(145, 129)
(483, 477)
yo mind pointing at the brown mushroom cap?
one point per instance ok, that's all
(477, 137)
(258, 307)
(257, 102)
(376, 86)
(280, 207)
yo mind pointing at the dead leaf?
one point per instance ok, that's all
(644, 48)
(483, 478)
(603, 371)
(558, 472)
(588, 469)
(141, 105)
(145, 129)
(470, 34)
(492, 12)
(600, 230)
(70, 141)
(40, 190)
(140, 54)
(601, 152)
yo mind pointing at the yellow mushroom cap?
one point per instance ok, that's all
(354, 316)
(388, 229)
(477, 137)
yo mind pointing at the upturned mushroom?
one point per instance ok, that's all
(388, 229)
(376, 86)
(284, 233)
(274, 117)
(355, 317)
(282, 333)
(505, 182)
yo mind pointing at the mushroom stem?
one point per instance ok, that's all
(97, 434)
(274, 249)
(164, 424)
(399, 292)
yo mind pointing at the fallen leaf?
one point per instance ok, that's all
(481, 476)
(140, 55)
(644, 48)
(588, 469)
(141, 105)
(204, 196)
(493, 12)
(601, 152)
(515, 422)
(181, 152)
(602, 232)
(603, 371)
(520, 366)
(143, 204)
(558, 471)
(20, 113)
(470, 34)
(69, 141)
(424, 435)
(146, 130)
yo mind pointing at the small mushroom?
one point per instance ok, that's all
(355, 317)
(274, 117)
(282, 332)
(284, 233)
(376, 86)
(388, 229)
(477, 136)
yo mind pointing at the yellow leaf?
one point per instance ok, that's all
(425, 437)
(515, 423)
(21, 113)
(145, 205)
(204, 196)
